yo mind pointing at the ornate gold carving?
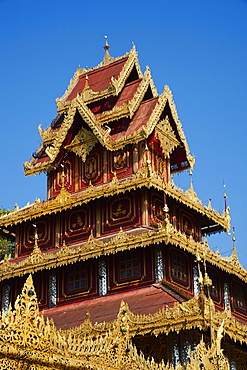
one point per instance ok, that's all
(30, 342)
(125, 241)
(103, 134)
(144, 177)
(166, 136)
(55, 139)
(114, 88)
(53, 150)
(47, 135)
(83, 143)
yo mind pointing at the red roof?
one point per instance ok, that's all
(140, 118)
(147, 300)
(128, 92)
(98, 79)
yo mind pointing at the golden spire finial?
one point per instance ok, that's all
(107, 57)
(224, 196)
(233, 236)
(234, 256)
(191, 180)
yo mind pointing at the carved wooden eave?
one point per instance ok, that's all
(38, 168)
(116, 86)
(144, 177)
(29, 340)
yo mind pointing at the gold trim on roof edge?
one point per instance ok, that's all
(94, 248)
(144, 177)
(103, 134)
(27, 338)
(194, 313)
(129, 108)
(116, 84)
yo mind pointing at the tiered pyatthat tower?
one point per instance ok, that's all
(116, 251)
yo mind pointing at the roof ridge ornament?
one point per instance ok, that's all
(234, 255)
(107, 58)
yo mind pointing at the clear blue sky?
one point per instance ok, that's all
(197, 47)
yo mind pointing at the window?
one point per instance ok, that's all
(129, 265)
(179, 267)
(239, 297)
(77, 277)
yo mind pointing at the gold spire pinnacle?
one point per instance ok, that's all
(107, 57)
(233, 236)
(191, 180)
(234, 255)
(224, 196)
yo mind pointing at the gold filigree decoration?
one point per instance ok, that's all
(145, 177)
(28, 339)
(165, 233)
(166, 136)
(83, 143)
(47, 135)
(53, 149)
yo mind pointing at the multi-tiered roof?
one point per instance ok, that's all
(115, 110)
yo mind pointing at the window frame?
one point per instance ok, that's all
(237, 285)
(65, 292)
(186, 282)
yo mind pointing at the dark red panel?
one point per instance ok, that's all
(121, 211)
(62, 177)
(130, 269)
(121, 162)
(91, 171)
(77, 224)
(45, 227)
(156, 212)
